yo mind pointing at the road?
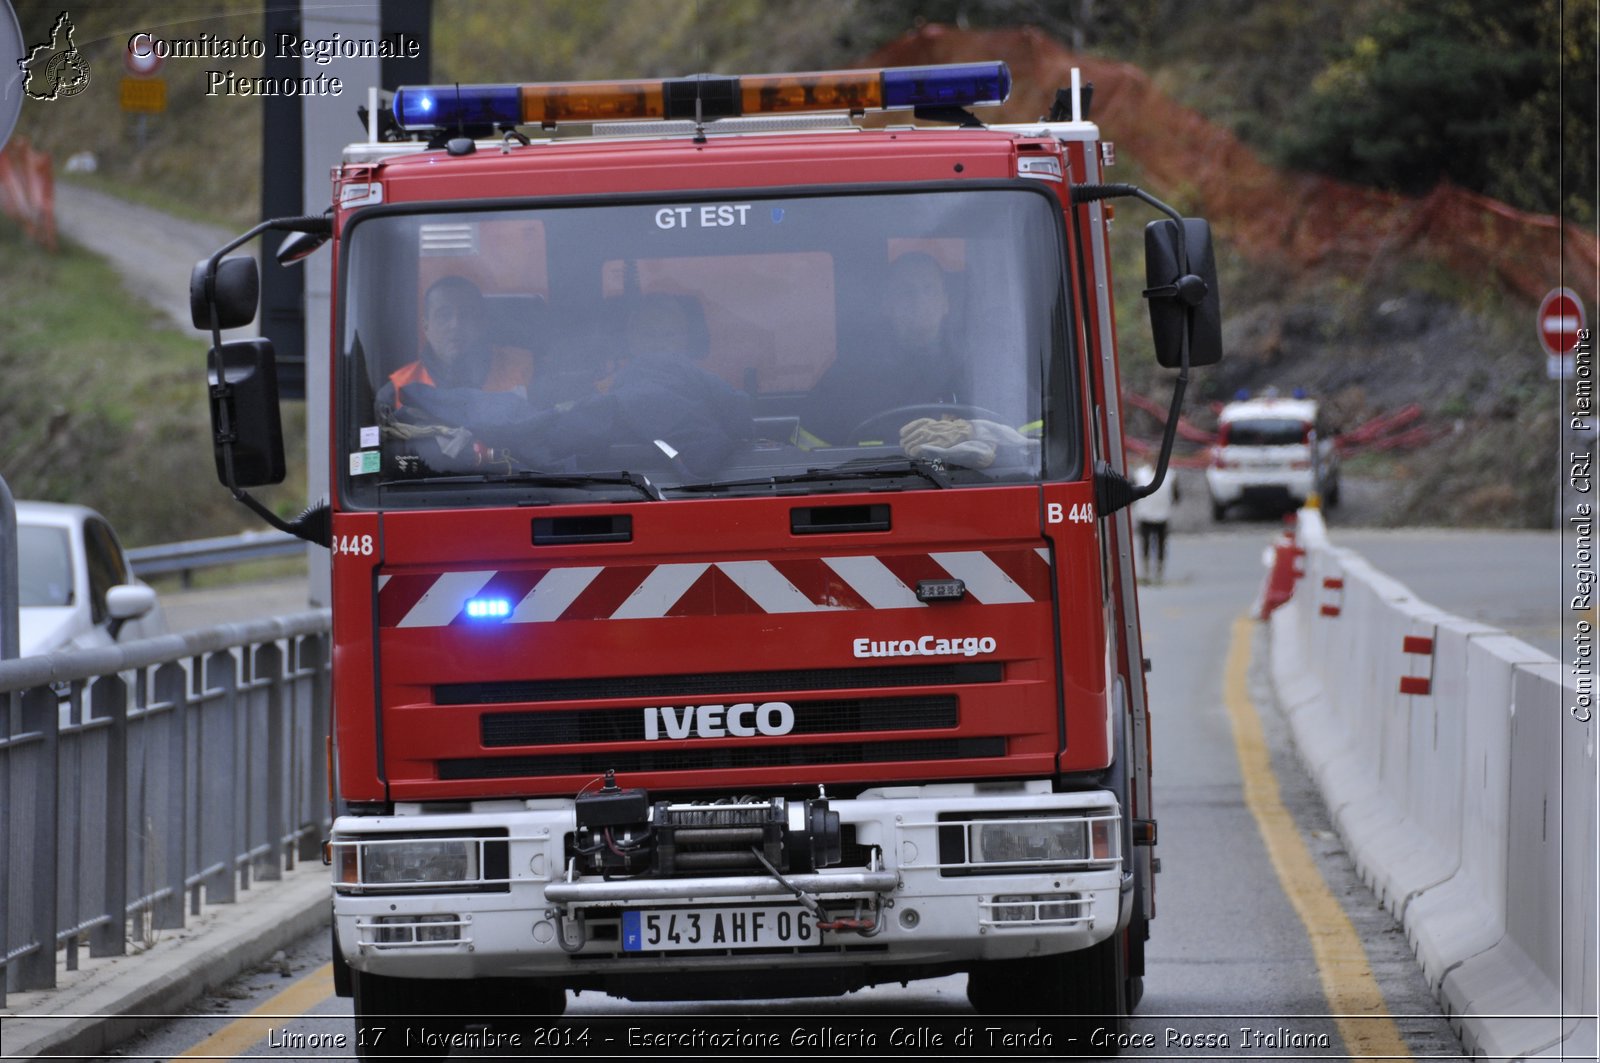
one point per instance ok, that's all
(153, 251)
(188, 609)
(1508, 579)
(1233, 970)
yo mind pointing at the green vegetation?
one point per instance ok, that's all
(1464, 91)
(199, 160)
(105, 403)
(1397, 93)
(1497, 98)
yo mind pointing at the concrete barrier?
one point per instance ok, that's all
(1464, 791)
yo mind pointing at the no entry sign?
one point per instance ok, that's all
(140, 58)
(1560, 318)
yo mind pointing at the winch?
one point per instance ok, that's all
(620, 832)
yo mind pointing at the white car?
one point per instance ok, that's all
(76, 589)
(1271, 451)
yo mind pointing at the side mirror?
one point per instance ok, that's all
(129, 601)
(1182, 298)
(235, 292)
(245, 422)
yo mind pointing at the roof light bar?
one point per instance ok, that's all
(702, 96)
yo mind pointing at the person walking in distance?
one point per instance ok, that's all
(1151, 514)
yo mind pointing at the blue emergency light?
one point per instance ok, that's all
(701, 97)
(488, 608)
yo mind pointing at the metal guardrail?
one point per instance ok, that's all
(185, 557)
(138, 781)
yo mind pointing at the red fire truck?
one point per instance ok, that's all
(732, 585)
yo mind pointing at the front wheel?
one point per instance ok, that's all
(1087, 991)
(408, 1017)
(418, 1018)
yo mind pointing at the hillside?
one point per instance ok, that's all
(1371, 299)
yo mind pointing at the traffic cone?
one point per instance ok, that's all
(1284, 568)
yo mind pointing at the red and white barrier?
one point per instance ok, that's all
(1463, 789)
(27, 191)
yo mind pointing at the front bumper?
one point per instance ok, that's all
(904, 908)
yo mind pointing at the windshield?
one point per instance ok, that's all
(742, 346)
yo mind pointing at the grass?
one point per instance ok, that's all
(268, 570)
(105, 405)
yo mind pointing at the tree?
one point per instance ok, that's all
(1491, 96)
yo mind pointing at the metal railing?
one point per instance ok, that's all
(138, 781)
(185, 557)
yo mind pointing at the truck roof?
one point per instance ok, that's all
(492, 154)
(610, 165)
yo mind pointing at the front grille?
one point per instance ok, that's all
(709, 758)
(592, 726)
(656, 688)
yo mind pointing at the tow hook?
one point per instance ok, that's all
(569, 942)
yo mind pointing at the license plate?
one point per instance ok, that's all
(718, 928)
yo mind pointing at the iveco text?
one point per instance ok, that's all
(719, 721)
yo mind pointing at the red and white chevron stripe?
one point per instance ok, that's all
(706, 588)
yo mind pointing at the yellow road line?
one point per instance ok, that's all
(1353, 994)
(244, 1032)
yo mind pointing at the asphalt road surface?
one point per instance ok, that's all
(1251, 867)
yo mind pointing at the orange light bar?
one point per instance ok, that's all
(552, 103)
(839, 90)
(703, 97)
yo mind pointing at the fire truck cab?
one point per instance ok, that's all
(732, 584)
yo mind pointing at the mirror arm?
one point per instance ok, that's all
(1093, 193)
(1169, 435)
(1114, 497)
(313, 524)
(315, 224)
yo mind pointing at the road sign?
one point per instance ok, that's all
(140, 59)
(144, 95)
(1560, 319)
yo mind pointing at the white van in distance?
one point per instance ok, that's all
(1271, 451)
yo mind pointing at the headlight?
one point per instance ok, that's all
(476, 862)
(389, 863)
(407, 861)
(1029, 841)
(987, 843)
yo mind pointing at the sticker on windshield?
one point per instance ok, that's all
(706, 216)
(369, 436)
(365, 462)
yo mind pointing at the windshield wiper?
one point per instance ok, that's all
(933, 472)
(533, 478)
